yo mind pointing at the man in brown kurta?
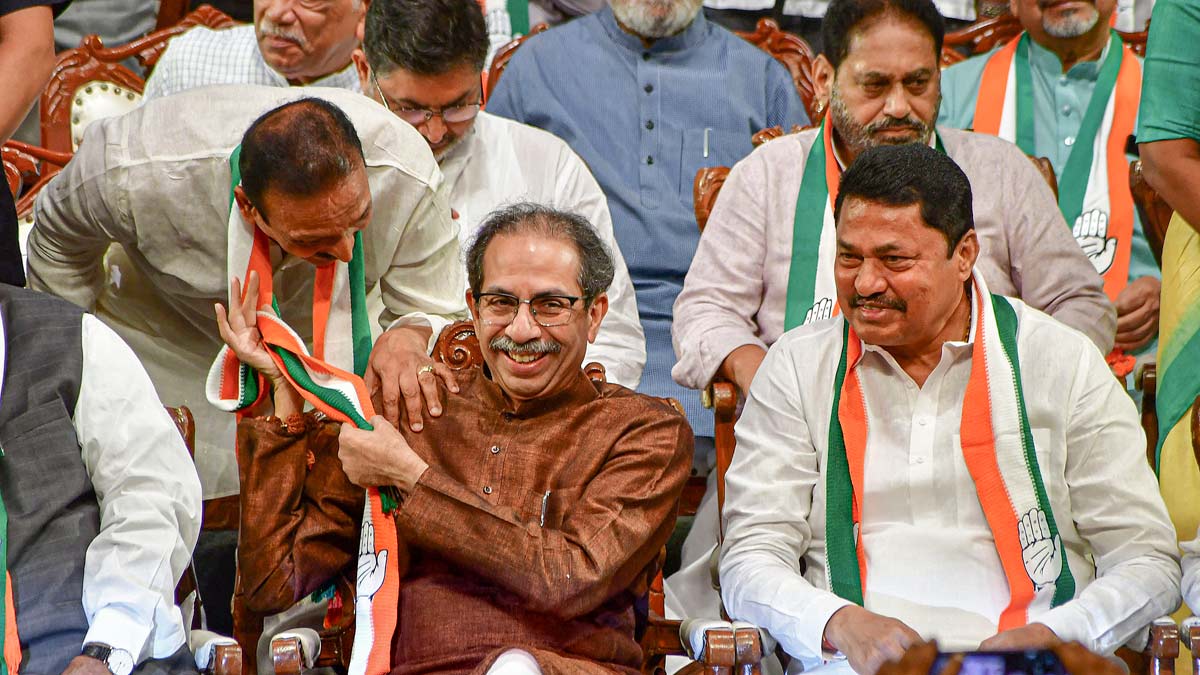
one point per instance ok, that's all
(541, 500)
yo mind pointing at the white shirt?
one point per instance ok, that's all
(502, 162)
(932, 559)
(203, 56)
(149, 499)
(155, 181)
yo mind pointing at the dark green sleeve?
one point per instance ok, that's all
(1170, 106)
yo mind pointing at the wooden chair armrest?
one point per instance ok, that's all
(1163, 647)
(215, 654)
(287, 655)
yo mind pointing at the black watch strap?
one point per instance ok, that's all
(97, 650)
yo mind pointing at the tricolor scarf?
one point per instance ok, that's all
(331, 381)
(1093, 191)
(1002, 464)
(811, 295)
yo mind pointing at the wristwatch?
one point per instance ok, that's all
(119, 661)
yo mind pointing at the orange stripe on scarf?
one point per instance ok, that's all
(989, 105)
(1120, 200)
(12, 642)
(852, 411)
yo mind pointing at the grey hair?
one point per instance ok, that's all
(595, 260)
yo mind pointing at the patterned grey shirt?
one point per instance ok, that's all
(203, 56)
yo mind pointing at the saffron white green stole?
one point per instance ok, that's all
(1002, 464)
(811, 294)
(330, 379)
(10, 647)
(1093, 190)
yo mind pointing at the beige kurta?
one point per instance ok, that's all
(156, 181)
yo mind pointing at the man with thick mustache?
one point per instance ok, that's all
(1080, 101)
(765, 263)
(648, 92)
(531, 513)
(938, 462)
(290, 44)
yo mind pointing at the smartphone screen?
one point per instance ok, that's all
(1031, 662)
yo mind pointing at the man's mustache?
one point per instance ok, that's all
(268, 29)
(889, 123)
(878, 301)
(503, 343)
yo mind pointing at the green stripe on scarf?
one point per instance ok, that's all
(1072, 185)
(518, 17)
(807, 225)
(1006, 325)
(845, 579)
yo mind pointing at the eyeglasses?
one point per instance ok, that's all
(499, 309)
(418, 116)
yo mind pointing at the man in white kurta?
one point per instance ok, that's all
(933, 557)
(421, 56)
(157, 182)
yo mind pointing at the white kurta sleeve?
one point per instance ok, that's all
(149, 497)
(1117, 510)
(621, 345)
(768, 503)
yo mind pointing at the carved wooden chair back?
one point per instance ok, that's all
(227, 657)
(458, 347)
(986, 34)
(793, 52)
(1152, 209)
(89, 82)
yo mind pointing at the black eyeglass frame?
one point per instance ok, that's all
(568, 313)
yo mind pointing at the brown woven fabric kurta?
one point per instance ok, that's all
(536, 526)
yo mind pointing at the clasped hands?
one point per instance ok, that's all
(869, 640)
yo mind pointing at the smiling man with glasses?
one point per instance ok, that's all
(532, 511)
(421, 59)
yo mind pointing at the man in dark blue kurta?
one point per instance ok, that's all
(648, 93)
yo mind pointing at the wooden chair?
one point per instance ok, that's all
(226, 656)
(89, 82)
(1153, 210)
(986, 34)
(725, 647)
(28, 168)
(793, 52)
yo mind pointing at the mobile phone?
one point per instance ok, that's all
(1028, 662)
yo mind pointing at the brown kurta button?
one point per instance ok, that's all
(495, 449)
(487, 489)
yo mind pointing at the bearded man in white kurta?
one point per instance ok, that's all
(937, 462)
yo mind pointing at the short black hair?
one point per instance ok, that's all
(843, 16)
(595, 260)
(298, 148)
(900, 175)
(425, 37)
